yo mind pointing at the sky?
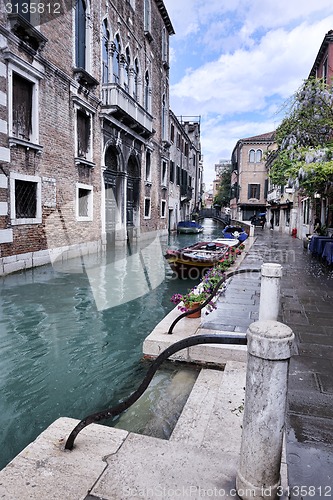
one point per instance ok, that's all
(237, 63)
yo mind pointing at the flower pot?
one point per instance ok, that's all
(196, 314)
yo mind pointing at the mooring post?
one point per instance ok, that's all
(270, 346)
(270, 291)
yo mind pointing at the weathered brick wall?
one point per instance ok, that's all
(59, 93)
(55, 165)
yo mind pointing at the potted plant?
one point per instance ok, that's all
(198, 295)
(191, 300)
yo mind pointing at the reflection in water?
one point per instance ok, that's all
(66, 348)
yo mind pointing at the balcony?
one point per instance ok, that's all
(118, 103)
(185, 193)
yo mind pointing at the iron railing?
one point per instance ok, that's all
(238, 339)
(225, 338)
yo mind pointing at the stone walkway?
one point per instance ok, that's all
(307, 308)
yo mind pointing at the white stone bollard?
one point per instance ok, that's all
(270, 291)
(270, 346)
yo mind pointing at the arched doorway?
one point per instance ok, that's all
(133, 192)
(113, 186)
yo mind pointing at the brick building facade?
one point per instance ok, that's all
(84, 106)
(249, 179)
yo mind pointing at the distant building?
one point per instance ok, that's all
(249, 182)
(322, 66)
(220, 168)
(185, 169)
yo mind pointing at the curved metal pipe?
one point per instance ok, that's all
(212, 295)
(239, 339)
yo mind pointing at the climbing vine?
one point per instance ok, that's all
(304, 157)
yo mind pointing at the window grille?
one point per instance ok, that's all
(25, 199)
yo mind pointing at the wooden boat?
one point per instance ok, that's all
(193, 261)
(189, 227)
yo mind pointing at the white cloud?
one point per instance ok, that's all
(219, 138)
(238, 62)
(243, 81)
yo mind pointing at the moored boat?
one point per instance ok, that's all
(235, 232)
(231, 242)
(188, 227)
(194, 261)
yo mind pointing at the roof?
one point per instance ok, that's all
(323, 48)
(165, 16)
(269, 136)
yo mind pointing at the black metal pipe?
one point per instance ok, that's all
(239, 339)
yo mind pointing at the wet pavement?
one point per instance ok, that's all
(307, 308)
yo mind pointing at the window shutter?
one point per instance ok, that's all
(80, 34)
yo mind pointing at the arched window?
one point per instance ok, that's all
(105, 52)
(116, 59)
(80, 34)
(146, 103)
(252, 156)
(258, 155)
(127, 68)
(136, 82)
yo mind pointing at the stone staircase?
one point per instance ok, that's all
(199, 460)
(201, 455)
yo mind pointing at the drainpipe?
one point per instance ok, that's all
(269, 350)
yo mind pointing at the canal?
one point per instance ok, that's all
(71, 334)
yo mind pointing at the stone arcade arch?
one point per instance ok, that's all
(114, 192)
(133, 192)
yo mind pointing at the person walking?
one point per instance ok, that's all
(317, 225)
(263, 222)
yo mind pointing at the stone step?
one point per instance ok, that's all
(200, 459)
(213, 414)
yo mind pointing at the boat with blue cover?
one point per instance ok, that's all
(235, 232)
(189, 226)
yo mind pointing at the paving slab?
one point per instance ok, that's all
(44, 470)
(146, 467)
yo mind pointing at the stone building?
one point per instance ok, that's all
(84, 105)
(185, 178)
(249, 183)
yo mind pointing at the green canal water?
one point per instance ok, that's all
(71, 339)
